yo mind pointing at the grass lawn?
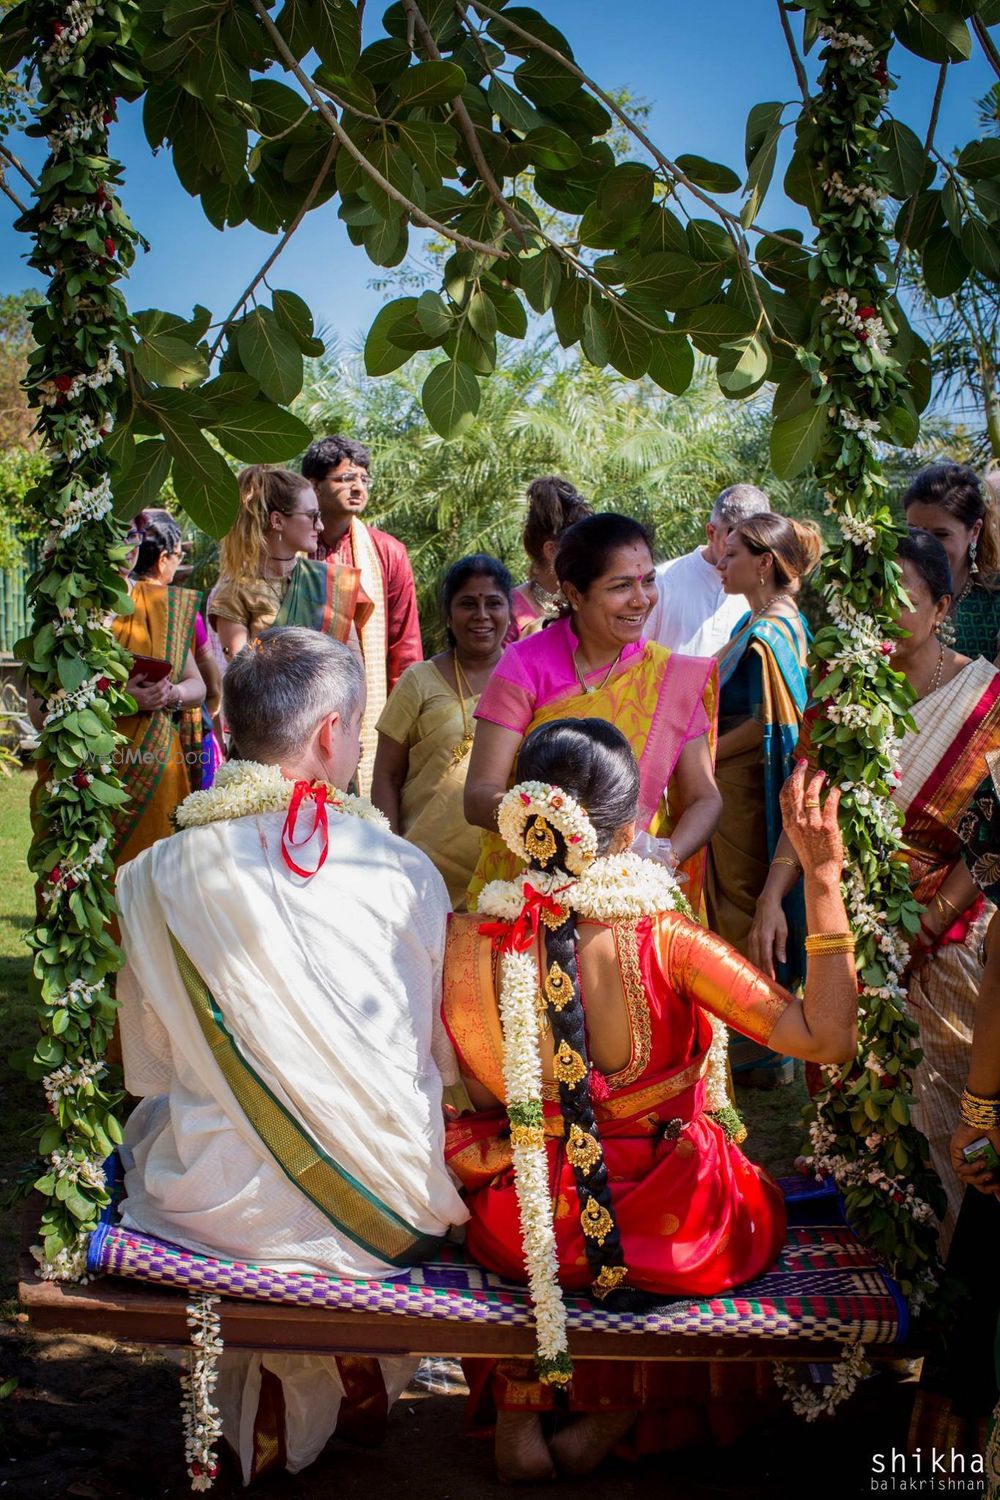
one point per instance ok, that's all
(20, 1101)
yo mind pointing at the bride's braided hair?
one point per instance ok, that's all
(592, 761)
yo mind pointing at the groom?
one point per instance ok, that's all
(280, 1021)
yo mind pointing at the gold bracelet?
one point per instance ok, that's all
(830, 942)
(782, 859)
(981, 1114)
(949, 904)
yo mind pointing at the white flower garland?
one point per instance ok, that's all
(537, 799)
(812, 1403)
(200, 1416)
(244, 787)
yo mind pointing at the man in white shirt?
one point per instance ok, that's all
(280, 1023)
(692, 613)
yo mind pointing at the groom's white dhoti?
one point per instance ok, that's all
(284, 1037)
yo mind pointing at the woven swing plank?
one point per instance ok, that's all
(825, 1291)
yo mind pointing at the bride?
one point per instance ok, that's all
(577, 1012)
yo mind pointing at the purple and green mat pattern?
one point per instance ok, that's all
(825, 1285)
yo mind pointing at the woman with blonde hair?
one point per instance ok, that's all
(267, 578)
(763, 688)
(553, 506)
(951, 502)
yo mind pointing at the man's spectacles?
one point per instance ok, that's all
(133, 538)
(359, 478)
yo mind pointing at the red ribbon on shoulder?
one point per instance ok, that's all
(306, 791)
(517, 936)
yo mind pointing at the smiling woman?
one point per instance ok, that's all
(425, 729)
(594, 663)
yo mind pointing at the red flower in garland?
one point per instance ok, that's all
(102, 684)
(81, 779)
(109, 246)
(63, 382)
(880, 73)
(866, 312)
(55, 875)
(57, 28)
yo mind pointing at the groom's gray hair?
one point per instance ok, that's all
(277, 689)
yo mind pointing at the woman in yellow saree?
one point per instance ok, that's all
(151, 761)
(594, 663)
(425, 729)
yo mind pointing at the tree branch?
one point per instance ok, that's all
(416, 214)
(928, 145)
(465, 124)
(797, 63)
(10, 193)
(987, 44)
(301, 212)
(19, 167)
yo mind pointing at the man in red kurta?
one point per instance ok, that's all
(337, 468)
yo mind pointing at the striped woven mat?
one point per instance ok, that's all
(825, 1285)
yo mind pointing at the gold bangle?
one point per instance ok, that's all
(829, 942)
(782, 859)
(981, 1114)
(949, 904)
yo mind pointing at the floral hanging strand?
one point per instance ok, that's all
(84, 242)
(862, 1134)
(199, 1415)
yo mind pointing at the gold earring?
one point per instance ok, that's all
(558, 987)
(539, 841)
(596, 1222)
(582, 1151)
(568, 1066)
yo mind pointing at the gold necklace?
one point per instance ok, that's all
(463, 691)
(756, 614)
(936, 679)
(604, 682)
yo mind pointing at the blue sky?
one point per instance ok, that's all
(701, 67)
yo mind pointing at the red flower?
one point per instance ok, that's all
(81, 779)
(63, 382)
(102, 684)
(195, 1469)
(57, 28)
(71, 884)
(55, 874)
(862, 337)
(525, 799)
(888, 647)
(866, 312)
(880, 73)
(109, 246)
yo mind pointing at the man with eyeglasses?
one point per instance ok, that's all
(337, 468)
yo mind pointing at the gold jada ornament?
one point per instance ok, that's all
(596, 1222)
(569, 1066)
(609, 1279)
(558, 987)
(539, 841)
(582, 1151)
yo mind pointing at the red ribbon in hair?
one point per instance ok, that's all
(517, 936)
(305, 791)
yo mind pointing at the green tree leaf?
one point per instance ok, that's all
(335, 28)
(226, 394)
(905, 161)
(142, 482)
(795, 441)
(551, 148)
(262, 433)
(712, 326)
(762, 121)
(381, 356)
(294, 317)
(512, 107)
(980, 159)
(204, 483)
(981, 247)
(944, 264)
(541, 277)
(166, 360)
(626, 192)
(671, 362)
(742, 365)
(270, 355)
(710, 175)
(430, 83)
(939, 35)
(433, 314)
(450, 398)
